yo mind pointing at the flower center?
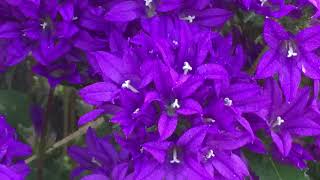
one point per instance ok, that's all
(93, 160)
(210, 155)
(186, 67)
(175, 157)
(136, 111)
(278, 121)
(175, 104)
(291, 51)
(127, 85)
(189, 18)
(147, 2)
(44, 25)
(227, 101)
(263, 2)
(74, 18)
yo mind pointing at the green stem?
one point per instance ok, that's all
(43, 138)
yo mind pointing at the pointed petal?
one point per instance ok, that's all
(213, 17)
(193, 138)
(274, 33)
(158, 149)
(303, 127)
(309, 38)
(98, 93)
(289, 78)
(268, 64)
(119, 172)
(189, 107)
(213, 71)
(310, 65)
(167, 125)
(90, 116)
(124, 11)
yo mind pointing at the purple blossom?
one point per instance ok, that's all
(11, 165)
(289, 55)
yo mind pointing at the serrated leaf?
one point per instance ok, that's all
(266, 169)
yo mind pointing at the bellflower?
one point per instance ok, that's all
(289, 55)
(287, 121)
(99, 157)
(11, 151)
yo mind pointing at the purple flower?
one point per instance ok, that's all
(289, 55)
(99, 157)
(11, 165)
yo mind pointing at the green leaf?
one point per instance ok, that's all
(267, 169)
(15, 106)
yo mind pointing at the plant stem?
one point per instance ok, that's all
(43, 138)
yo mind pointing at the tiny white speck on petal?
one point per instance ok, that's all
(227, 101)
(175, 104)
(148, 2)
(44, 25)
(263, 2)
(136, 111)
(175, 157)
(186, 67)
(291, 52)
(189, 18)
(127, 85)
(210, 154)
(278, 121)
(175, 42)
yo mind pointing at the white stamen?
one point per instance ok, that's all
(175, 157)
(75, 18)
(291, 52)
(189, 18)
(141, 150)
(151, 51)
(227, 101)
(263, 2)
(186, 67)
(93, 160)
(136, 111)
(210, 154)
(175, 42)
(148, 2)
(175, 104)
(278, 121)
(127, 85)
(210, 120)
(44, 25)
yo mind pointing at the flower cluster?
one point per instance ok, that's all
(187, 85)
(12, 151)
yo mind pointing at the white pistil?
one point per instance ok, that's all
(136, 111)
(186, 67)
(74, 18)
(93, 160)
(210, 120)
(189, 18)
(148, 2)
(263, 2)
(44, 25)
(278, 121)
(291, 52)
(175, 42)
(227, 101)
(210, 154)
(175, 157)
(127, 85)
(175, 104)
